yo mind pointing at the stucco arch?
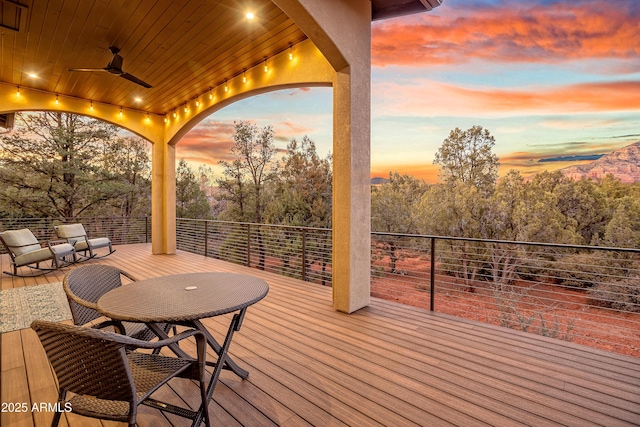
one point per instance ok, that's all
(307, 68)
(147, 126)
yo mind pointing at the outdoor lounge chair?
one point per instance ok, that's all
(25, 250)
(76, 235)
(108, 381)
(85, 285)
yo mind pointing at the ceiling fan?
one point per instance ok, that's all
(115, 67)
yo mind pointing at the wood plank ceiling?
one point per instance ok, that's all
(180, 47)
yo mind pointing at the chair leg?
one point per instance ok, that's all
(205, 403)
(57, 414)
(133, 413)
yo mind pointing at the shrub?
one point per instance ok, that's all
(582, 270)
(623, 295)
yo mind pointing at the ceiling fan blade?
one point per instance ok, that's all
(135, 80)
(115, 67)
(86, 69)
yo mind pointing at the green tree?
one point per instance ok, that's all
(244, 185)
(302, 189)
(394, 205)
(527, 211)
(584, 207)
(191, 200)
(246, 176)
(301, 196)
(127, 161)
(51, 165)
(623, 230)
(466, 156)
(455, 209)
(212, 192)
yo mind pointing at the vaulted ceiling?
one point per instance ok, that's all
(180, 47)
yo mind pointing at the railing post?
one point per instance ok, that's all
(206, 238)
(304, 255)
(432, 277)
(248, 245)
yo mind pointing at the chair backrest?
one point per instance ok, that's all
(87, 361)
(88, 283)
(70, 231)
(20, 242)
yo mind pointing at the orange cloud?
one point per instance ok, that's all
(437, 99)
(208, 143)
(511, 32)
(211, 141)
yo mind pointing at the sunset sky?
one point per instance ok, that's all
(552, 81)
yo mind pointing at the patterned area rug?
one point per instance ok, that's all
(20, 306)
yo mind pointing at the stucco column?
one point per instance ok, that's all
(341, 29)
(163, 199)
(351, 191)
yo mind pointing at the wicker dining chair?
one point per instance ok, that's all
(86, 284)
(110, 382)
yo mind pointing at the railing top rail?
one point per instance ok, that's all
(8, 218)
(374, 233)
(511, 242)
(295, 227)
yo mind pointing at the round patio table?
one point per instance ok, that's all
(182, 297)
(185, 299)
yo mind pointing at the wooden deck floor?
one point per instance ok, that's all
(385, 365)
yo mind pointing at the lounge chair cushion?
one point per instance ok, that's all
(33, 257)
(99, 242)
(71, 231)
(22, 241)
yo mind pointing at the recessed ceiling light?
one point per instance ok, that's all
(250, 15)
(33, 75)
(138, 99)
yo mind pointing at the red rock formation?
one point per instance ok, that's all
(623, 163)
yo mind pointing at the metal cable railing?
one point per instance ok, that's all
(300, 252)
(583, 294)
(121, 230)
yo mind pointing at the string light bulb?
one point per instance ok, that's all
(91, 105)
(244, 75)
(166, 119)
(174, 113)
(226, 88)
(186, 109)
(18, 91)
(57, 102)
(121, 111)
(266, 69)
(210, 94)
(290, 53)
(148, 118)
(197, 101)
